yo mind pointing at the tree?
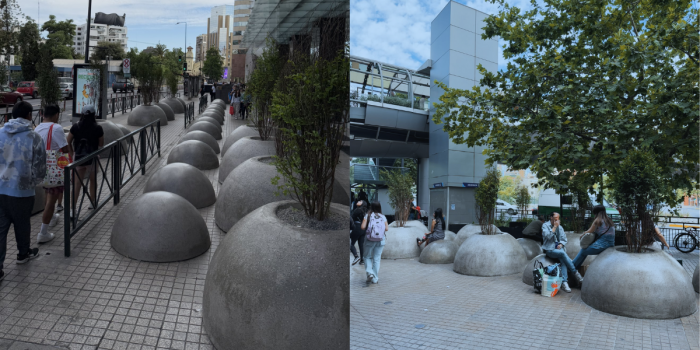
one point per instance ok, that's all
(147, 70)
(213, 64)
(9, 15)
(486, 196)
(60, 37)
(47, 77)
(411, 167)
(587, 84)
(522, 198)
(400, 189)
(106, 48)
(28, 43)
(508, 188)
(262, 84)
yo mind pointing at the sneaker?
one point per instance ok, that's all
(45, 238)
(578, 278)
(357, 259)
(370, 278)
(565, 287)
(59, 208)
(33, 253)
(54, 220)
(362, 262)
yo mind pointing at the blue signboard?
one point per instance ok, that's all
(439, 184)
(470, 185)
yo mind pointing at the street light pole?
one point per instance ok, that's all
(185, 48)
(87, 41)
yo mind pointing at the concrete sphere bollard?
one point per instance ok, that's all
(469, 230)
(401, 241)
(195, 153)
(201, 136)
(259, 296)
(183, 180)
(450, 236)
(246, 148)
(490, 255)
(573, 244)
(160, 227)
(220, 119)
(211, 120)
(207, 127)
(183, 103)
(174, 104)
(439, 252)
(144, 115)
(237, 134)
(236, 197)
(530, 247)
(221, 110)
(527, 273)
(696, 282)
(169, 114)
(651, 285)
(112, 132)
(124, 129)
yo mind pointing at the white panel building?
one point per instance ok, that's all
(99, 32)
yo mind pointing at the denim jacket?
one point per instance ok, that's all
(22, 159)
(549, 237)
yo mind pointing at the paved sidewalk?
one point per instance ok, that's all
(418, 306)
(99, 299)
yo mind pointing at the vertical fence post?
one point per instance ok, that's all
(66, 213)
(142, 138)
(158, 139)
(113, 107)
(116, 170)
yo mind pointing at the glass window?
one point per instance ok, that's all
(240, 24)
(235, 42)
(24, 84)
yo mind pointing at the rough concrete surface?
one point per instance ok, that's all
(401, 241)
(201, 136)
(174, 104)
(490, 255)
(439, 252)
(275, 286)
(160, 227)
(527, 273)
(246, 148)
(641, 285)
(143, 115)
(169, 114)
(237, 134)
(183, 180)
(195, 153)
(207, 127)
(213, 114)
(211, 120)
(112, 132)
(530, 247)
(695, 280)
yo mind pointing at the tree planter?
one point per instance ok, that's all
(246, 188)
(169, 114)
(202, 136)
(527, 273)
(401, 241)
(143, 115)
(174, 104)
(207, 127)
(439, 252)
(271, 285)
(696, 282)
(530, 247)
(246, 148)
(237, 134)
(195, 153)
(183, 180)
(467, 231)
(160, 227)
(490, 255)
(641, 285)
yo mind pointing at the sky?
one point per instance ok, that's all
(398, 31)
(149, 22)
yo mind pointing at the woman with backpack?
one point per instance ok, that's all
(376, 226)
(358, 234)
(437, 229)
(86, 137)
(604, 230)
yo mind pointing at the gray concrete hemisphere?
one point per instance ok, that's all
(490, 255)
(246, 148)
(213, 121)
(439, 252)
(207, 127)
(401, 241)
(195, 153)
(696, 283)
(143, 115)
(214, 115)
(174, 104)
(201, 136)
(183, 180)
(169, 114)
(530, 247)
(237, 134)
(528, 278)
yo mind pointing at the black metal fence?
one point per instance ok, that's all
(91, 182)
(189, 114)
(122, 104)
(203, 102)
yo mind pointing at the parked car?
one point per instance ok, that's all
(66, 80)
(503, 205)
(9, 97)
(123, 86)
(67, 90)
(28, 88)
(549, 201)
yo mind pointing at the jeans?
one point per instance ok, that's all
(358, 236)
(373, 256)
(584, 253)
(243, 110)
(15, 211)
(565, 261)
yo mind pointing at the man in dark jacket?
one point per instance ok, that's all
(534, 229)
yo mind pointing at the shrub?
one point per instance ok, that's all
(522, 198)
(486, 196)
(400, 190)
(262, 83)
(147, 70)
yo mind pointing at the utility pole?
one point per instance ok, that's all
(87, 38)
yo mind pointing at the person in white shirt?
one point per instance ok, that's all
(213, 92)
(58, 142)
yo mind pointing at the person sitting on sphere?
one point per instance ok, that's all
(554, 246)
(437, 229)
(534, 229)
(604, 230)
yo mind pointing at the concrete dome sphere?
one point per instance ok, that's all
(112, 132)
(246, 148)
(573, 244)
(650, 285)
(469, 230)
(401, 241)
(211, 120)
(530, 247)
(271, 285)
(174, 104)
(527, 273)
(195, 153)
(450, 236)
(247, 187)
(237, 134)
(160, 227)
(124, 129)
(169, 114)
(201, 136)
(143, 115)
(183, 180)
(219, 119)
(207, 127)
(696, 282)
(439, 252)
(218, 100)
(490, 255)
(217, 107)
(183, 103)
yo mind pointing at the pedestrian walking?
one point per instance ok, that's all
(85, 137)
(376, 225)
(213, 92)
(55, 140)
(358, 234)
(236, 99)
(22, 168)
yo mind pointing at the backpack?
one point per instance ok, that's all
(375, 229)
(82, 149)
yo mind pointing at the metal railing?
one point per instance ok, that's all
(100, 176)
(189, 114)
(203, 102)
(122, 103)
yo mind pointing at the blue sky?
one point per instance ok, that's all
(398, 31)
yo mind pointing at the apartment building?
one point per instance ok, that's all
(226, 27)
(201, 48)
(98, 32)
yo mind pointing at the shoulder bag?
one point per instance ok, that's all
(589, 237)
(56, 161)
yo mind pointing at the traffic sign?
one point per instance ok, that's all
(126, 66)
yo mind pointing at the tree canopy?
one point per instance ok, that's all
(213, 64)
(9, 15)
(586, 84)
(60, 36)
(106, 48)
(28, 44)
